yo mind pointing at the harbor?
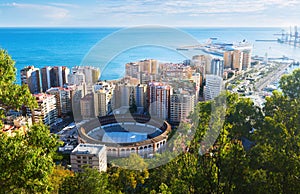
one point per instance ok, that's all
(289, 37)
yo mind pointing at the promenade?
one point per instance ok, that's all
(271, 77)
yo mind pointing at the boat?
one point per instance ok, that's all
(182, 49)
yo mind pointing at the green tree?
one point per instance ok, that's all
(12, 96)
(26, 160)
(242, 116)
(277, 152)
(25, 165)
(290, 84)
(58, 176)
(89, 181)
(129, 174)
(133, 107)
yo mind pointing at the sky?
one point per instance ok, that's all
(122, 13)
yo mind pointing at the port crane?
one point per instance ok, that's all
(289, 37)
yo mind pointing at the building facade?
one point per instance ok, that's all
(63, 98)
(217, 67)
(31, 77)
(89, 155)
(46, 111)
(181, 106)
(158, 101)
(213, 86)
(54, 77)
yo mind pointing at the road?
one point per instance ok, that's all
(271, 77)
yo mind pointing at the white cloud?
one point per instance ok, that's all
(166, 12)
(47, 11)
(191, 7)
(67, 5)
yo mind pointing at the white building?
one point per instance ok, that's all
(46, 111)
(103, 94)
(89, 155)
(76, 78)
(213, 86)
(91, 75)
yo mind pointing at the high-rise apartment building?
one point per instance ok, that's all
(182, 104)
(217, 67)
(46, 111)
(54, 77)
(104, 93)
(78, 79)
(87, 107)
(148, 65)
(91, 75)
(202, 63)
(144, 71)
(140, 94)
(104, 98)
(238, 57)
(133, 70)
(45, 74)
(31, 77)
(213, 86)
(228, 59)
(237, 63)
(123, 95)
(246, 59)
(159, 99)
(63, 99)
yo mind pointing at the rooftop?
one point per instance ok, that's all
(42, 96)
(91, 149)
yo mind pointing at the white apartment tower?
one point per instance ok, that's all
(46, 111)
(213, 86)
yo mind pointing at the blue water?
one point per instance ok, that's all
(68, 46)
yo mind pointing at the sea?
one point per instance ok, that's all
(72, 46)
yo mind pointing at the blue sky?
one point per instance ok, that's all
(208, 13)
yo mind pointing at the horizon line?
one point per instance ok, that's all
(145, 26)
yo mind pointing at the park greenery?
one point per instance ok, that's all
(257, 150)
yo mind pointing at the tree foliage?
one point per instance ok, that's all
(269, 165)
(12, 95)
(88, 181)
(26, 160)
(26, 164)
(290, 84)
